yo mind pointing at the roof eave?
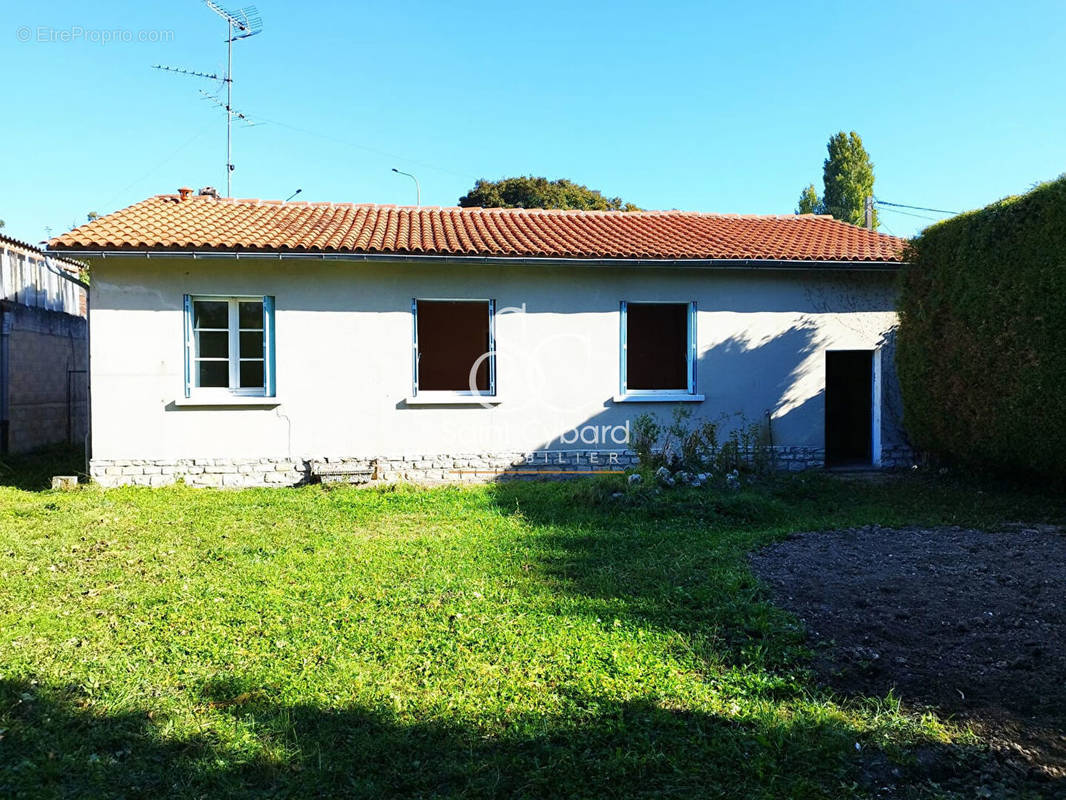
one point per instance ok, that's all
(673, 263)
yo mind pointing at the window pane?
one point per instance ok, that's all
(251, 374)
(250, 314)
(213, 374)
(212, 344)
(657, 346)
(210, 314)
(452, 336)
(251, 344)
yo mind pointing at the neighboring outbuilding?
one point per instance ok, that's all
(44, 349)
(247, 342)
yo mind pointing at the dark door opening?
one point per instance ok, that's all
(848, 408)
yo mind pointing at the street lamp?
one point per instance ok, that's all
(418, 189)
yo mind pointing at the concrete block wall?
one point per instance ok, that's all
(41, 347)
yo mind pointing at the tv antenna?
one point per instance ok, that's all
(241, 24)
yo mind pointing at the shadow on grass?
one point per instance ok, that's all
(58, 743)
(32, 472)
(678, 565)
(678, 561)
(673, 561)
(55, 742)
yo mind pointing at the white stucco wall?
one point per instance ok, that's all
(344, 342)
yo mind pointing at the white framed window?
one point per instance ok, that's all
(229, 346)
(454, 348)
(658, 350)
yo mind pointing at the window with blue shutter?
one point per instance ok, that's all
(229, 346)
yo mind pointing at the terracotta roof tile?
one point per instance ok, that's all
(207, 223)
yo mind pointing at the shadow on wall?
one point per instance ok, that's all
(743, 378)
(780, 374)
(893, 432)
(747, 379)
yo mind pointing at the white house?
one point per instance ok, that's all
(243, 342)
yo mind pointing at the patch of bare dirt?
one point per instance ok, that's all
(970, 622)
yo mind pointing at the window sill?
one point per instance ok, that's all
(246, 401)
(659, 398)
(431, 399)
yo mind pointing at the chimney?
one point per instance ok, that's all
(184, 192)
(209, 191)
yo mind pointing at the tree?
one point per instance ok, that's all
(809, 202)
(531, 192)
(847, 180)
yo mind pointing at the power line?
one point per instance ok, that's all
(884, 225)
(338, 140)
(908, 214)
(916, 208)
(158, 165)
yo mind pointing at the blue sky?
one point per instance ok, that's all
(702, 106)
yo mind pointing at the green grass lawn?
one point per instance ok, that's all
(524, 640)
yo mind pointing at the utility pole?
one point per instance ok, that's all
(868, 213)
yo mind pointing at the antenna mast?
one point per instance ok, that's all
(241, 24)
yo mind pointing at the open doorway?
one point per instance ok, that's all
(849, 377)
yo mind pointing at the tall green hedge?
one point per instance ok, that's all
(982, 340)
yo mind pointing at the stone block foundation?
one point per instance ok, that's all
(211, 472)
(449, 468)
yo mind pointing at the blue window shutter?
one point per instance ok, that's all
(269, 364)
(623, 356)
(188, 345)
(414, 345)
(492, 347)
(692, 346)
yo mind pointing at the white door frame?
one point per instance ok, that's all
(875, 416)
(875, 401)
